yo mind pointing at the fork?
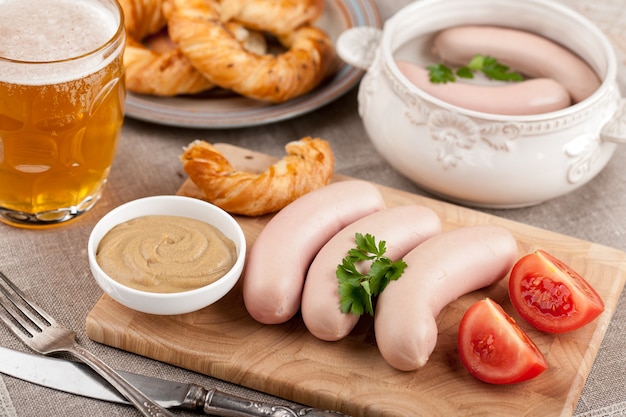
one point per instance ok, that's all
(44, 335)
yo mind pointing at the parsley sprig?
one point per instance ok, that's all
(441, 74)
(356, 289)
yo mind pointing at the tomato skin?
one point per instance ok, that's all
(550, 295)
(494, 349)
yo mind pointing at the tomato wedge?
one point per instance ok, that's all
(494, 349)
(552, 296)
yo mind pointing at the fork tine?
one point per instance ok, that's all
(19, 331)
(23, 311)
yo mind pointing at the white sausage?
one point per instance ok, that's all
(531, 54)
(279, 258)
(536, 96)
(402, 228)
(438, 271)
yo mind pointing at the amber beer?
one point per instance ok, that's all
(61, 106)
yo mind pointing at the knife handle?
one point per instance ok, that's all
(218, 403)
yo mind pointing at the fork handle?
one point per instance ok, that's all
(144, 404)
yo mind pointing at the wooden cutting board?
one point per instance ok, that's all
(284, 360)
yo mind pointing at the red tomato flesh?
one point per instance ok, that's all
(494, 349)
(552, 296)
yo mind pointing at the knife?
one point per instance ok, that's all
(80, 379)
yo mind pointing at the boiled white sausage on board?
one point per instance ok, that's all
(443, 268)
(402, 228)
(280, 257)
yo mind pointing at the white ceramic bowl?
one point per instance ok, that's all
(168, 303)
(476, 158)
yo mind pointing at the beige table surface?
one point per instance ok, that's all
(51, 265)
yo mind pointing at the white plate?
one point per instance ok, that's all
(237, 111)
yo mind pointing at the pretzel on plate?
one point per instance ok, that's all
(196, 27)
(154, 64)
(165, 72)
(273, 16)
(308, 165)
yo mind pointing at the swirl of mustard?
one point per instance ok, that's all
(165, 254)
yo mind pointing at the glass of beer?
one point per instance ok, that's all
(62, 98)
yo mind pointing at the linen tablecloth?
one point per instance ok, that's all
(51, 265)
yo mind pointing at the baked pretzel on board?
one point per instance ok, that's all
(196, 27)
(308, 165)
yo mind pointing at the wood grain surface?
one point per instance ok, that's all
(284, 360)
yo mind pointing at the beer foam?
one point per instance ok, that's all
(34, 31)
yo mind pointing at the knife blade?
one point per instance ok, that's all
(78, 378)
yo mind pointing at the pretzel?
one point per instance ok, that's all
(160, 68)
(274, 16)
(143, 17)
(308, 165)
(161, 74)
(196, 27)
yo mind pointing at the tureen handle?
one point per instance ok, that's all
(357, 46)
(615, 129)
